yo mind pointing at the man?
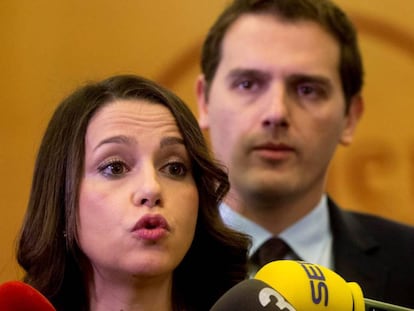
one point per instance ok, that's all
(280, 89)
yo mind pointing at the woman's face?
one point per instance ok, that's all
(138, 201)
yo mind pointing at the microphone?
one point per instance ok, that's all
(252, 295)
(19, 296)
(312, 287)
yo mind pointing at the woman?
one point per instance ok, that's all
(123, 210)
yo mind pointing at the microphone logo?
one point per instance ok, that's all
(269, 297)
(319, 289)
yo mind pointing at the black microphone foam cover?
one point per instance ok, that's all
(251, 295)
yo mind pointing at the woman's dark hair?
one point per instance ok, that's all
(48, 248)
(323, 12)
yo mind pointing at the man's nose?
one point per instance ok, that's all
(275, 110)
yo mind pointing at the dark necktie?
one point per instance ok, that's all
(271, 250)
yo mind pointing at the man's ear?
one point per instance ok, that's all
(202, 102)
(356, 109)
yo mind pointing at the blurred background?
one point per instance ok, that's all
(48, 48)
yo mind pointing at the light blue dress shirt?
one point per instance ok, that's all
(310, 238)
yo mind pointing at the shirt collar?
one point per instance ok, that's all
(310, 237)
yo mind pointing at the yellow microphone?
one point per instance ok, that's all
(312, 287)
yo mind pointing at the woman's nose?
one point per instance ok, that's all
(148, 189)
(150, 201)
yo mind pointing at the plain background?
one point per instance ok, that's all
(48, 48)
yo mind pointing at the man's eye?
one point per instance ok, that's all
(113, 169)
(311, 91)
(246, 85)
(306, 90)
(175, 169)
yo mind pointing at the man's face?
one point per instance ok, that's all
(275, 110)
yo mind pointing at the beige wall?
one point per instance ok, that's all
(50, 47)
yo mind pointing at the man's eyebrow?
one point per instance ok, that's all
(310, 78)
(119, 139)
(171, 140)
(296, 77)
(246, 72)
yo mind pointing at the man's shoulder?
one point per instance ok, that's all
(367, 218)
(376, 221)
(382, 229)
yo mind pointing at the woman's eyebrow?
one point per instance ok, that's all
(171, 140)
(119, 139)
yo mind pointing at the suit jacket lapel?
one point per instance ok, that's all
(354, 252)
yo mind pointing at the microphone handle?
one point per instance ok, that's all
(374, 305)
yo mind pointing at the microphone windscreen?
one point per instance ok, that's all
(251, 295)
(311, 287)
(19, 296)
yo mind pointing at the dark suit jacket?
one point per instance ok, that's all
(376, 253)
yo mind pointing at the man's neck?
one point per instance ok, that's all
(274, 216)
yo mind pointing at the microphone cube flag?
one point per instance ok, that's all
(19, 296)
(251, 295)
(311, 287)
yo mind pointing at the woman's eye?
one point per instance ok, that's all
(175, 169)
(113, 169)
